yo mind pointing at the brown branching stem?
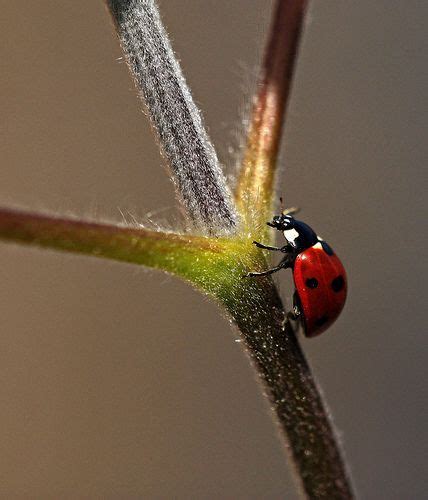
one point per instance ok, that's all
(257, 176)
(216, 264)
(294, 395)
(254, 306)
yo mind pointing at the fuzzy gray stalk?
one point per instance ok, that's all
(191, 156)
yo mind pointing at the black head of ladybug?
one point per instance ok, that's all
(298, 234)
(282, 222)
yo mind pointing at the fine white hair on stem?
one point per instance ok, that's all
(191, 156)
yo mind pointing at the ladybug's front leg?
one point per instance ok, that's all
(266, 247)
(286, 262)
(264, 273)
(285, 249)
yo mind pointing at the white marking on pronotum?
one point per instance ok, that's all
(291, 235)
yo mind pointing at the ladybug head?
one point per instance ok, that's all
(282, 222)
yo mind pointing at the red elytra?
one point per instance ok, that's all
(321, 286)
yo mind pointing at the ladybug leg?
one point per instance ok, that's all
(291, 316)
(287, 249)
(296, 305)
(295, 314)
(288, 259)
(266, 247)
(285, 263)
(265, 273)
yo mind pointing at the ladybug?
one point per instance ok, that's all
(319, 276)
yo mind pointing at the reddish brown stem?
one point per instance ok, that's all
(256, 180)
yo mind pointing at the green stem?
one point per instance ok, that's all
(171, 252)
(217, 267)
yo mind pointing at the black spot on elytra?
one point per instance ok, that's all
(327, 248)
(311, 282)
(338, 283)
(321, 320)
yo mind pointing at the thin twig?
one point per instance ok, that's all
(256, 180)
(194, 165)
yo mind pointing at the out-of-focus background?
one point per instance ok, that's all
(118, 382)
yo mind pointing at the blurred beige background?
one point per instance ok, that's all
(117, 382)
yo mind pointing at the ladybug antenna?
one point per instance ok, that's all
(291, 211)
(281, 204)
(287, 211)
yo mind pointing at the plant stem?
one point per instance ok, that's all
(296, 400)
(193, 161)
(216, 266)
(170, 252)
(256, 181)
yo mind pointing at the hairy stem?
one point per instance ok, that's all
(217, 267)
(296, 400)
(193, 161)
(171, 252)
(254, 193)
